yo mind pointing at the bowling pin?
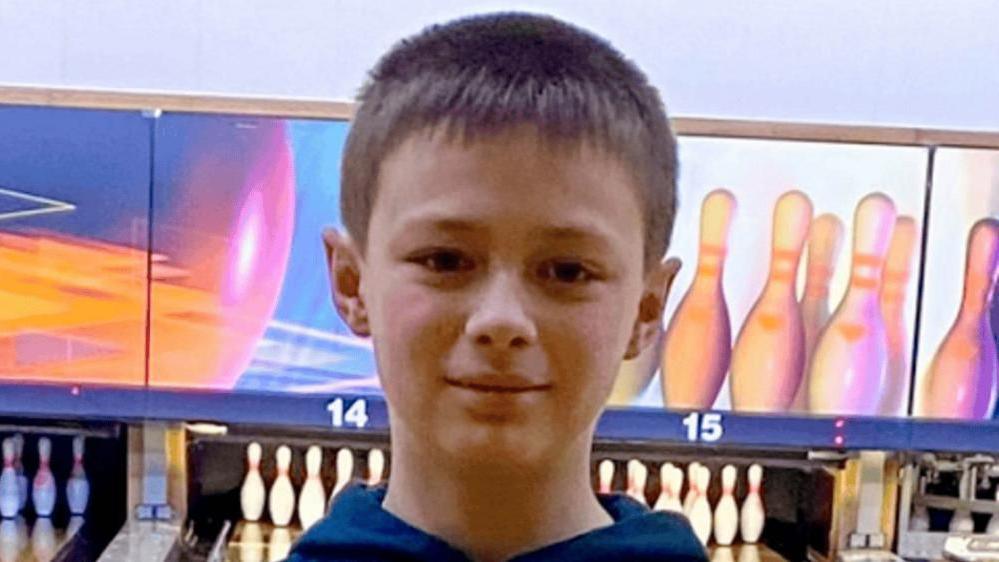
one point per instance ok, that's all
(22, 479)
(962, 379)
(605, 476)
(700, 510)
(43, 488)
(10, 498)
(637, 478)
(825, 236)
(669, 492)
(279, 544)
(752, 516)
(895, 280)
(43, 541)
(344, 472)
(698, 339)
(849, 366)
(688, 499)
(77, 487)
(281, 501)
(312, 499)
(726, 518)
(252, 494)
(769, 355)
(376, 466)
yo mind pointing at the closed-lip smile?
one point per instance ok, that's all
(498, 383)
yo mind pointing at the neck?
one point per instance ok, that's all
(493, 513)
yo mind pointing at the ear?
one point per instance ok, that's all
(648, 324)
(344, 262)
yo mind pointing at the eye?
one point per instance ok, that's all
(443, 261)
(566, 271)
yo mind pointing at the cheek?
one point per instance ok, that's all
(411, 330)
(591, 341)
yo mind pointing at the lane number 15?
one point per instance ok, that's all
(704, 427)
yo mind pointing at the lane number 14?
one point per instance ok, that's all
(355, 415)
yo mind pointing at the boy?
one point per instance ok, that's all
(508, 191)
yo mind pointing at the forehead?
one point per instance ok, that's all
(514, 175)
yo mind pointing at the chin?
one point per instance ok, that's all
(496, 448)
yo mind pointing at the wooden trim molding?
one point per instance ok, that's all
(122, 100)
(344, 110)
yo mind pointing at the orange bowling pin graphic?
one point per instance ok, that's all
(824, 240)
(850, 361)
(769, 353)
(894, 282)
(961, 381)
(698, 340)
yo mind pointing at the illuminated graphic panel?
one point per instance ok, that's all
(74, 197)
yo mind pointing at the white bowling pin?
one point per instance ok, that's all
(22, 479)
(769, 354)
(43, 541)
(77, 487)
(605, 476)
(849, 366)
(281, 501)
(10, 498)
(825, 236)
(700, 511)
(279, 544)
(752, 515)
(43, 488)
(726, 518)
(252, 494)
(344, 472)
(669, 492)
(376, 466)
(698, 340)
(637, 478)
(312, 499)
(895, 281)
(962, 379)
(691, 495)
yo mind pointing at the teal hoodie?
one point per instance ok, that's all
(359, 530)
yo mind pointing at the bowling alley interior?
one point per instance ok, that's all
(176, 383)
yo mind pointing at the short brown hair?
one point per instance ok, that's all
(481, 75)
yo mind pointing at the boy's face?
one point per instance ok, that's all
(502, 285)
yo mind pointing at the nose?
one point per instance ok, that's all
(499, 319)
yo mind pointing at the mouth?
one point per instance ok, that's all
(497, 384)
